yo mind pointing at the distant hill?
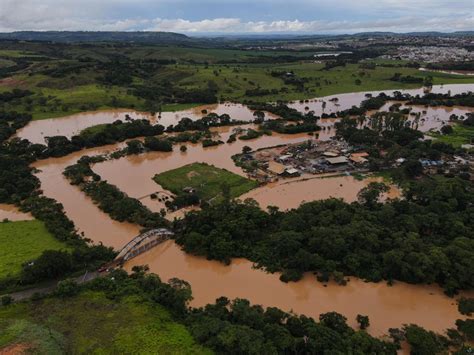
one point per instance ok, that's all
(96, 36)
(195, 39)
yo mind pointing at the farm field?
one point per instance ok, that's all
(170, 78)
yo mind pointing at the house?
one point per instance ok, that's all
(359, 158)
(291, 172)
(337, 160)
(276, 168)
(284, 157)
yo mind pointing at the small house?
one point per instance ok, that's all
(337, 160)
(291, 172)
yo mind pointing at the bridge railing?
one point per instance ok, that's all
(143, 242)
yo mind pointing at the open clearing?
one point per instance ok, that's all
(22, 241)
(461, 135)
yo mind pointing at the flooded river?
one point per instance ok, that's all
(36, 131)
(386, 306)
(87, 217)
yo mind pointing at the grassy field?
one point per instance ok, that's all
(23, 241)
(73, 91)
(207, 180)
(461, 135)
(90, 323)
(63, 96)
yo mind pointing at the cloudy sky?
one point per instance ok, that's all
(238, 16)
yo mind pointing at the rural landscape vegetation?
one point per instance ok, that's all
(140, 171)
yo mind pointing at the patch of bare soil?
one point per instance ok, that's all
(16, 349)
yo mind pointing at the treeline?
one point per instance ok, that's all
(281, 127)
(467, 65)
(118, 205)
(210, 120)
(165, 92)
(408, 79)
(433, 99)
(429, 99)
(420, 239)
(10, 121)
(282, 110)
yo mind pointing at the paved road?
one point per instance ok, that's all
(50, 287)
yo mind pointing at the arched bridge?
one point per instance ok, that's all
(142, 243)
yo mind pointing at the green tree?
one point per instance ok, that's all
(363, 321)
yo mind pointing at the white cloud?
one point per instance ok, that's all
(231, 25)
(127, 15)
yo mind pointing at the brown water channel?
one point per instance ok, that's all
(386, 306)
(290, 194)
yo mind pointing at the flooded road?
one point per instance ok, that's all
(12, 213)
(290, 194)
(386, 306)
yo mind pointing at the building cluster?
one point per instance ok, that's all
(311, 157)
(431, 54)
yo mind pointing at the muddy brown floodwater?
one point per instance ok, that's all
(386, 306)
(290, 194)
(346, 101)
(87, 217)
(12, 213)
(133, 174)
(36, 131)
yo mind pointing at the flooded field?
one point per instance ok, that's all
(386, 306)
(340, 102)
(36, 131)
(288, 194)
(133, 174)
(12, 213)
